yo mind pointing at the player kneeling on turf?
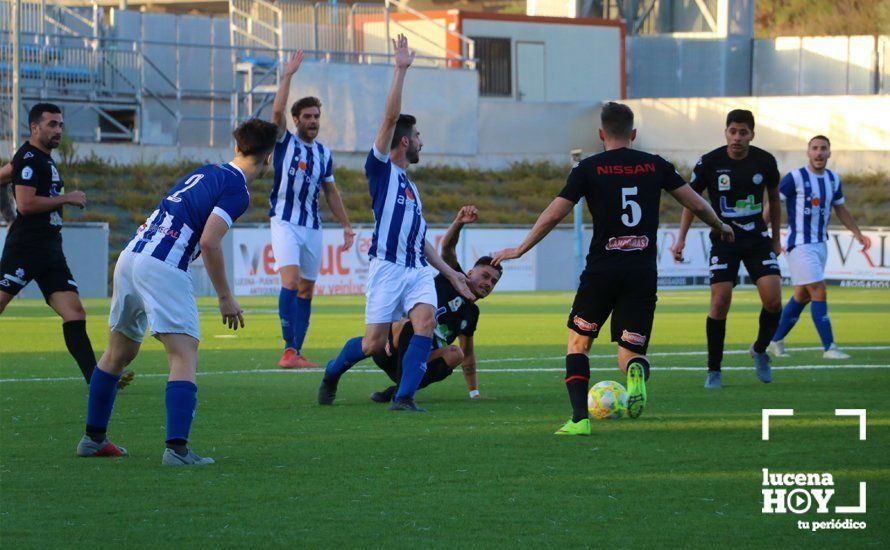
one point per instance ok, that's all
(153, 286)
(623, 191)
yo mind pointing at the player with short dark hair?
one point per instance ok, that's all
(33, 248)
(739, 178)
(153, 287)
(456, 319)
(303, 167)
(622, 187)
(809, 194)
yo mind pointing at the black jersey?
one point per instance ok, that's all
(623, 191)
(33, 168)
(455, 315)
(735, 187)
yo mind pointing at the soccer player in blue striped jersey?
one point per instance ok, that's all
(303, 167)
(809, 194)
(153, 287)
(399, 279)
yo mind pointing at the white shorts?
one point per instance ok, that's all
(393, 290)
(149, 292)
(297, 245)
(806, 262)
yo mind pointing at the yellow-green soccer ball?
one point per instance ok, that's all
(607, 400)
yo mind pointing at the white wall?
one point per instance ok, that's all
(684, 129)
(581, 62)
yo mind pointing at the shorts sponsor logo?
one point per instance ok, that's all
(27, 173)
(18, 278)
(584, 325)
(627, 243)
(723, 182)
(633, 338)
(770, 262)
(20, 273)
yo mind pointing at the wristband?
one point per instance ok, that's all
(474, 393)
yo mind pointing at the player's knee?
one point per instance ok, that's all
(720, 304)
(75, 312)
(373, 346)
(424, 325)
(453, 356)
(817, 291)
(307, 288)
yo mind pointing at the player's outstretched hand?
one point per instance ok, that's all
(728, 236)
(232, 314)
(459, 282)
(863, 241)
(504, 255)
(293, 64)
(677, 250)
(76, 198)
(403, 56)
(348, 238)
(467, 214)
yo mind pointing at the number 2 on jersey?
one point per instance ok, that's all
(189, 183)
(635, 211)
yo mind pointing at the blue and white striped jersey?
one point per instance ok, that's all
(172, 232)
(399, 227)
(300, 169)
(809, 198)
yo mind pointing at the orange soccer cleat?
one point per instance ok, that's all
(292, 360)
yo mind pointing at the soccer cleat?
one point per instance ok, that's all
(89, 448)
(714, 381)
(581, 427)
(327, 392)
(834, 353)
(777, 349)
(405, 404)
(172, 458)
(762, 365)
(636, 390)
(293, 360)
(384, 396)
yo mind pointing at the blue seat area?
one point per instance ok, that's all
(55, 72)
(264, 61)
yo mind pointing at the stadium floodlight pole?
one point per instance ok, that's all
(16, 62)
(578, 216)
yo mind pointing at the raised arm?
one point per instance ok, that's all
(549, 218)
(279, 106)
(693, 203)
(403, 59)
(467, 214)
(212, 252)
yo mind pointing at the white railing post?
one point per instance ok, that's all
(16, 67)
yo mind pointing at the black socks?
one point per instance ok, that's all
(577, 383)
(769, 322)
(716, 331)
(80, 348)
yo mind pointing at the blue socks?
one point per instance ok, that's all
(790, 315)
(350, 354)
(300, 321)
(181, 400)
(103, 389)
(822, 322)
(414, 365)
(287, 300)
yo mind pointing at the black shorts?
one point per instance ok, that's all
(22, 264)
(628, 295)
(757, 254)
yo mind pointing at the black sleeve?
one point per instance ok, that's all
(575, 186)
(772, 172)
(699, 180)
(473, 321)
(26, 172)
(671, 178)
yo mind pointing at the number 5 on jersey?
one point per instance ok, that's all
(636, 212)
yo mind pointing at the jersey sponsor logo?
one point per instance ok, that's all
(27, 173)
(633, 338)
(409, 194)
(628, 243)
(56, 176)
(455, 304)
(816, 201)
(625, 169)
(723, 182)
(27, 156)
(584, 325)
(743, 207)
(757, 179)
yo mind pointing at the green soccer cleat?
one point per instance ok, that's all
(636, 390)
(581, 427)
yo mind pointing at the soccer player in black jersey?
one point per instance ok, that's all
(33, 247)
(739, 178)
(623, 191)
(456, 319)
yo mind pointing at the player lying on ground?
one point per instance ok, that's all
(399, 280)
(809, 193)
(153, 287)
(33, 248)
(622, 187)
(303, 166)
(456, 318)
(739, 178)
